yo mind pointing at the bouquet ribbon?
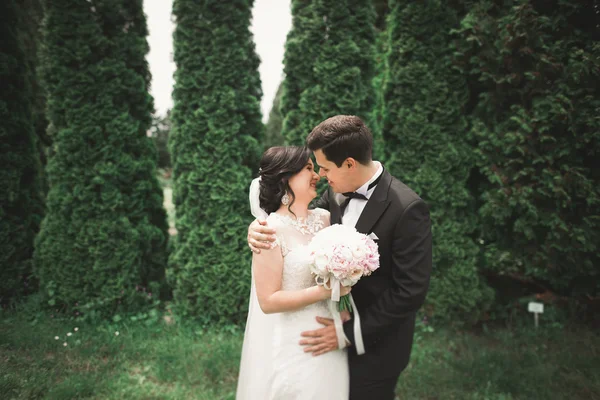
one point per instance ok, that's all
(334, 286)
(335, 289)
(337, 322)
(360, 345)
(339, 330)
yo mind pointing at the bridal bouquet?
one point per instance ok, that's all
(342, 255)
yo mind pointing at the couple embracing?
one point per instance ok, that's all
(291, 348)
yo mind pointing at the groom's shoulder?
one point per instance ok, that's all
(401, 193)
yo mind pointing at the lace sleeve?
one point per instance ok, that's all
(280, 242)
(279, 236)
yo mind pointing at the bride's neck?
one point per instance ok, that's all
(299, 210)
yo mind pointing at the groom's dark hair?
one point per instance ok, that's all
(340, 137)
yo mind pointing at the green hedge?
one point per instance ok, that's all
(299, 58)
(534, 76)
(21, 196)
(329, 64)
(427, 147)
(215, 145)
(105, 233)
(274, 125)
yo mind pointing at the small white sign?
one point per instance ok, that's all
(535, 307)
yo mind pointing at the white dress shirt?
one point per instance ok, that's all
(356, 206)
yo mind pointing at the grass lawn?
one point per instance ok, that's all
(159, 361)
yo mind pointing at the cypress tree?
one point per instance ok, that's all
(215, 147)
(344, 66)
(381, 45)
(535, 72)
(104, 235)
(329, 64)
(159, 132)
(32, 14)
(299, 58)
(273, 127)
(382, 8)
(424, 129)
(21, 197)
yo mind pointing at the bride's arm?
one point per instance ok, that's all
(268, 269)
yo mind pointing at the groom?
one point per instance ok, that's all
(363, 194)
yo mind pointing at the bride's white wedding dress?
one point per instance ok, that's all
(274, 364)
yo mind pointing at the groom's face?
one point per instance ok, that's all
(337, 177)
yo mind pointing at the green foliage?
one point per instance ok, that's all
(427, 148)
(381, 74)
(502, 364)
(21, 196)
(215, 145)
(299, 58)
(105, 231)
(179, 361)
(159, 132)
(382, 8)
(329, 64)
(31, 20)
(273, 135)
(534, 71)
(145, 360)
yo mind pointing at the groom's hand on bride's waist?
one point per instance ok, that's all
(322, 340)
(260, 236)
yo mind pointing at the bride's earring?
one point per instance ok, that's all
(285, 199)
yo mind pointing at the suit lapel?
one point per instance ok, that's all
(334, 208)
(376, 205)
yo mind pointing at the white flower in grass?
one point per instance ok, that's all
(65, 344)
(56, 338)
(69, 334)
(117, 333)
(76, 329)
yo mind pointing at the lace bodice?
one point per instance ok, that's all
(293, 237)
(274, 366)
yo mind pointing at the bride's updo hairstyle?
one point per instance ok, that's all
(277, 166)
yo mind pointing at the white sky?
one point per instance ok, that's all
(271, 22)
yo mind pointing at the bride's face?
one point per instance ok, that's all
(304, 183)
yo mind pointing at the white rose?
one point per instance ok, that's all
(358, 252)
(321, 262)
(356, 274)
(346, 254)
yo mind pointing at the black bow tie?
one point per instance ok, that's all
(354, 195)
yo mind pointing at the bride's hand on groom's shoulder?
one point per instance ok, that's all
(260, 236)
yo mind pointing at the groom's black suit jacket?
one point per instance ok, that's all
(388, 300)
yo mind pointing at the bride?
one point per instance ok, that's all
(284, 300)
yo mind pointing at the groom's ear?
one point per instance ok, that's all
(350, 162)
